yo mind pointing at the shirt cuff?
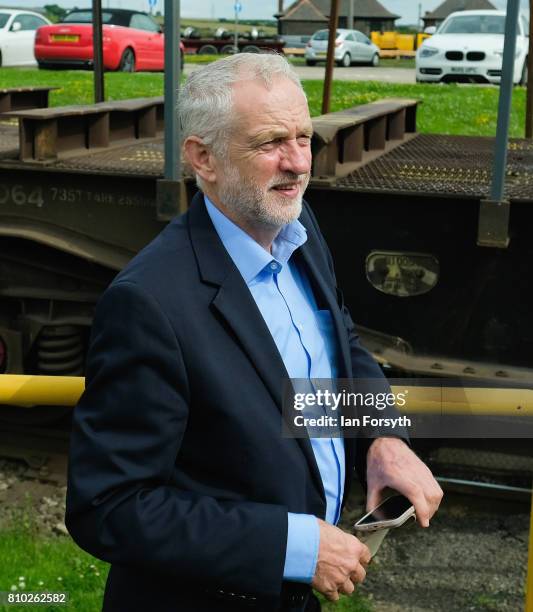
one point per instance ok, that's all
(303, 538)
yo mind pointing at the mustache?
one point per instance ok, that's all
(289, 179)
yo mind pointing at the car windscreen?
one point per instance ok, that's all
(323, 35)
(474, 24)
(108, 17)
(3, 19)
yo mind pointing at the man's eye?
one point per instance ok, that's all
(304, 138)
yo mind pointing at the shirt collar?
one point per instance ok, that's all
(248, 255)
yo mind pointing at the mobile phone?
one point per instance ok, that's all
(392, 512)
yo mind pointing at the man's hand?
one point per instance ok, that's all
(391, 463)
(341, 563)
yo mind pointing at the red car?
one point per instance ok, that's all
(132, 41)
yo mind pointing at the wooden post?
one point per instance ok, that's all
(529, 94)
(333, 20)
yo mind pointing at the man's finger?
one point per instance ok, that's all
(347, 588)
(332, 595)
(358, 575)
(373, 499)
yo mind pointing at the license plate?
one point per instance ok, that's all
(465, 70)
(65, 37)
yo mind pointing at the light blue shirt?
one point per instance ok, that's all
(305, 339)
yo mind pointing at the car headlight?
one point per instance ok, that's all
(428, 51)
(500, 53)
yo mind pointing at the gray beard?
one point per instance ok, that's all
(246, 199)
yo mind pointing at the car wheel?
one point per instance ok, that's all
(207, 50)
(310, 62)
(251, 49)
(127, 61)
(375, 60)
(346, 61)
(525, 73)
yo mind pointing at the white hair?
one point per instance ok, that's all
(206, 99)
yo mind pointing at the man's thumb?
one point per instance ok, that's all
(373, 499)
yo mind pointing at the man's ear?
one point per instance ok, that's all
(200, 159)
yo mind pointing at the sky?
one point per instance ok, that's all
(251, 9)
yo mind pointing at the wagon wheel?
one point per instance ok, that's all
(227, 50)
(251, 49)
(208, 50)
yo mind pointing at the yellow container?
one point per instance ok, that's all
(388, 40)
(375, 37)
(405, 42)
(420, 38)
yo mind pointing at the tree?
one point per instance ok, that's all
(54, 12)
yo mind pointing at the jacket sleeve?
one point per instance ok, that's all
(127, 430)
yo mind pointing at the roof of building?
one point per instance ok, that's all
(450, 6)
(363, 9)
(303, 10)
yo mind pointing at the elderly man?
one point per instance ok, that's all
(179, 475)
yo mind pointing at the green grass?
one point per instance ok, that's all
(33, 562)
(445, 109)
(49, 564)
(354, 603)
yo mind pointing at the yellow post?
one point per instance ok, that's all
(529, 579)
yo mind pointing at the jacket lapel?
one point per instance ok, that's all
(235, 304)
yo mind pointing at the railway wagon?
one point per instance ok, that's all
(437, 279)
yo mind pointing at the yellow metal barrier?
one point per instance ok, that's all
(24, 390)
(21, 390)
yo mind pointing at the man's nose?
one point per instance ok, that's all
(295, 158)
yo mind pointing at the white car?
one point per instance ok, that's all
(468, 47)
(17, 36)
(350, 46)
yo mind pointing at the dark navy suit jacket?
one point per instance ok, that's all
(178, 475)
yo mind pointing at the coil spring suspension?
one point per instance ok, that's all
(60, 350)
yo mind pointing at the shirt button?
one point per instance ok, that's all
(273, 266)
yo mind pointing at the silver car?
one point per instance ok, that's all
(350, 46)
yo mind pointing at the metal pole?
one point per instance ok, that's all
(350, 14)
(172, 79)
(236, 35)
(506, 95)
(98, 54)
(494, 212)
(333, 19)
(529, 95)
(171, 197)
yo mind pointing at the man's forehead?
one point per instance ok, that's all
(256, 104)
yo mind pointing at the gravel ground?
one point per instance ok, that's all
(27, 499)
(473, 557)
